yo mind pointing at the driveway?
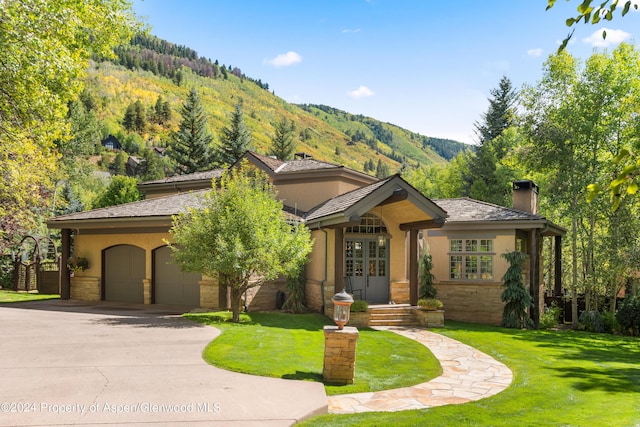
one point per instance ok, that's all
(81, 363)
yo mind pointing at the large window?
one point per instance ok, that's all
(471, 259)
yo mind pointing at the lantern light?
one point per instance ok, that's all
(341, 308)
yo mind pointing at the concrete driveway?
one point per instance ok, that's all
(80, 363)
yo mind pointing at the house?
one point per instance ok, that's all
(367, 234)
(133, 165)
(111, 143)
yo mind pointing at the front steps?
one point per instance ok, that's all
(393, 315)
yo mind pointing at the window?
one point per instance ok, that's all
(369, 224)
(471, 259)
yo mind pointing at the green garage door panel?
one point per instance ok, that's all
(172, 285)
(124, 271)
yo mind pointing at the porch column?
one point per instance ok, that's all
(339, 259)
(413, 266)
(65, 276)
(557, 269)
(534, 275)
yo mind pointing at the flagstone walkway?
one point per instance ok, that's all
(467, 375)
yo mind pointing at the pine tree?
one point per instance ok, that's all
(158, 110)
(382, 170)
(140, 117)
(482, 181)
(129, 120)
(515, 296)
(234, 139)
(191, 146)
(283, 143)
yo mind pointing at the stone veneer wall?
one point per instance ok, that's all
(85, 288)
(263, 298)
(479, 303)
(313, 295)
(400, 292)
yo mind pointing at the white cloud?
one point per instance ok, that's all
(285, 59)
(361, 92)
(534, 53)
(613, 37)
(357, 30)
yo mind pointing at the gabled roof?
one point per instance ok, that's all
(349, 206)
(464, 210)
(299, 167)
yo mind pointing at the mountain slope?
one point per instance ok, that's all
(324, 132)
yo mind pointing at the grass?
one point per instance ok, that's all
(13, 296)
(561, 378)
(292, 346)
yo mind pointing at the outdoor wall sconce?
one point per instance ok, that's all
(341, 308)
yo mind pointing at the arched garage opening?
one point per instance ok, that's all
(171, 285)
(123, 273)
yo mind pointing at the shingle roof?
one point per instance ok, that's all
(465, 210)
(342, 202)
(196, 176)
(298, 165)
(156, 207)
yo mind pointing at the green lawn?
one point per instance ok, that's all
(561, 378)
(292, 346)
(13, 296)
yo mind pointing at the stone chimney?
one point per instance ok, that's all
(525, 196)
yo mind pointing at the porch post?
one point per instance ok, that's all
(557, 269)
(413, 266)
(65, 279)
(339, 259)
(534, 275)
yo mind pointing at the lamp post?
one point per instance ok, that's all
(340, 343)
(341, 308)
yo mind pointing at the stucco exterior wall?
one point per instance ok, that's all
(90, 246)
(470, 300)
(306, 195)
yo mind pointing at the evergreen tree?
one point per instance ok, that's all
(140, 117)
(427, 290)
(191, 146)
(382, 170)
(152, 166)
(120, 163)
(158, 110)
(234, 139)
(129, 120)
(515, 296)
(283, 142)
(483, 179)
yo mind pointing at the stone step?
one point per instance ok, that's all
(393, 322)
(392, 316)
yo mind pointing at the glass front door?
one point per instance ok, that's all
(367, 267)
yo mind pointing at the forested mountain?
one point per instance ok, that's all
(149, 68)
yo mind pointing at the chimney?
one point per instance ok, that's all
(525, 196)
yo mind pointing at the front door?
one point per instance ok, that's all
(367, 268)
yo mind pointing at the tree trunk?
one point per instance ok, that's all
(236, 295)
(574, 275)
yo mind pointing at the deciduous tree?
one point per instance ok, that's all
(240, 235)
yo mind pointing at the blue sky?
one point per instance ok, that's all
(425, 65)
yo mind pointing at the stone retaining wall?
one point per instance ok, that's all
(479, 303)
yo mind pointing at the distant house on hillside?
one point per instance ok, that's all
(133, 164)
(111, 143)
(159, 150)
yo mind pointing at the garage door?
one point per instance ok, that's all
(124, 270)
(172, 285)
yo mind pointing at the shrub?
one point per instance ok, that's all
(359, 306)
(427, 290)
(609, 322)
(628, 316)
(430, 303)
(550, 317)
(591, 321)
(515, 296)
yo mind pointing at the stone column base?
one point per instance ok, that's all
(86, 288)
(339, 355)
